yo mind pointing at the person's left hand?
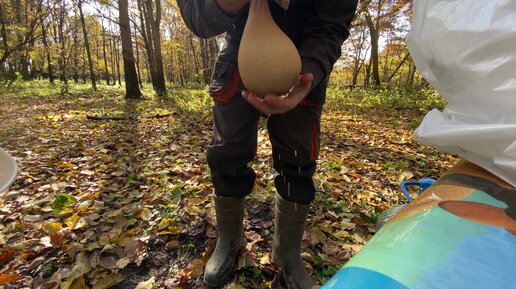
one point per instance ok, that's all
(277, 104)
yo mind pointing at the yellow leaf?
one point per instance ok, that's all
(194, 210)
(79, 283)
(81, 223)
(52, 228)
(146, 214)
(114, 213)
(66, 165)
(149, 284)
(93, 246)
(104, 240)
(172, 230)
(122, 263)
(108, 281)
(265, 260)
(234, 286)
(406, 175)
(122, 242)
(165, 223)
(196, 201)
(72, 220)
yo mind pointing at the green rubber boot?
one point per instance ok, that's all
(230, 215)
(289, 226)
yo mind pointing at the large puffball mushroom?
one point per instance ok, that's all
(268, 60)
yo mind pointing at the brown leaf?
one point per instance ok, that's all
(172, 245)
(330, 249)
(108, 262)
(6, 255)
(9, 278)
(195, 268)
(136, 250)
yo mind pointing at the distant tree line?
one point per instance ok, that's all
(146, 41)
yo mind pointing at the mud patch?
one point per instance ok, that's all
(164, 265)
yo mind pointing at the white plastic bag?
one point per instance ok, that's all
(466, 49)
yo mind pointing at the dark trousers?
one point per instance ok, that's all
(295, 147)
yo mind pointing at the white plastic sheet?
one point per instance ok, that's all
(466, 49)
(8, 170)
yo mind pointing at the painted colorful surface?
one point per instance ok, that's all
(437, 243)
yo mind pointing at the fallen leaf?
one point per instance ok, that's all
(234, 286)
(87, 172)
(195, 268)
(149, 284)
(52, 228)
(108, 262)
(9, 278)
(32, 218)
(108, 281)
(265, 260)
(136, 250)
(72, 220)
(406, 175)
(122, 263)
(6, 255)
(57, 239)
(146, 214)
(78, 283)
(172, 245)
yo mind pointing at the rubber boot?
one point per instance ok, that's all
(230, 214)
(289, 226)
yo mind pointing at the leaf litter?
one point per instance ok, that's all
(127, 203)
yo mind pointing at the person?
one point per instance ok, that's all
(318, 29)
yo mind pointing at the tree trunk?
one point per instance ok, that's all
(205, 60)
(62, 50)
(47, 52)
(112, 53)
(150, 21)
(398, 67)
(147, 42)
(87, 46)
(367, 74)
(104, 53)
(161, 88)
(374, 51)
(83, 74)
(75, 59)
(132, 89)
(194, 54)
(117, 51)
(138, 71)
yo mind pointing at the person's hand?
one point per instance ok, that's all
(232, 6)
(277, 104)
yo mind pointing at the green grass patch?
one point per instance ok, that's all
(414, 99)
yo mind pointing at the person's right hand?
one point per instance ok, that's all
(232, 6)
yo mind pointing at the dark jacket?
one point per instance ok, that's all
(317, 27)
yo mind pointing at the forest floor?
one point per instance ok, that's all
(126, 202)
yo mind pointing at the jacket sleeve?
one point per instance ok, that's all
(205, 18)
(327, 28)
